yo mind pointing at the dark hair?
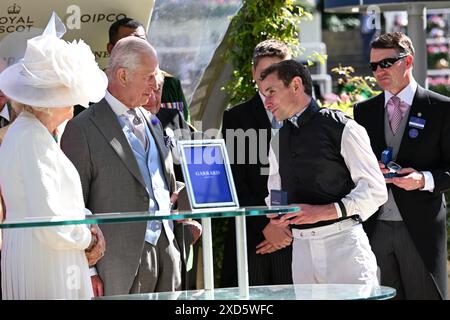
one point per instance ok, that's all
(270, 48)
(287, 70)
(124, 22)
(394, 40)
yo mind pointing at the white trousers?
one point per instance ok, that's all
(337, 253)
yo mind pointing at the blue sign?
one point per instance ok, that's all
(208, 175)
(417, 123)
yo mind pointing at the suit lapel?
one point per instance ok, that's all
(374, 129)
(420, 105)
(261, 119)
(260, 112)
(106, 121)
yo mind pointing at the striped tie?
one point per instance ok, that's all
(395, 113)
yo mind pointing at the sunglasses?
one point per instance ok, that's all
(385, 63)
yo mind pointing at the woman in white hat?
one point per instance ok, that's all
(37, 179)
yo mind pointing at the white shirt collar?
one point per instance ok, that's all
(117, 107)
(295, 117)
(5, 112)
(406, 95)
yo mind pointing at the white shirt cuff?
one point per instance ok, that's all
(338, 210)
(429, 181)
(93, 271)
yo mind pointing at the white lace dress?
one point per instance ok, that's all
(36, 180)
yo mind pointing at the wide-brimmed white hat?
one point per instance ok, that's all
(54, 73)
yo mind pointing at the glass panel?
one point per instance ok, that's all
(186, 33)
(278, 292)
(142, 216)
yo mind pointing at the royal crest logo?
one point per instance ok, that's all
(14, 9)
(14, 22)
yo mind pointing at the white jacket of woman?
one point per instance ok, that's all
(38, 180)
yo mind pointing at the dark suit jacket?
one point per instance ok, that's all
(423, 212)
(251, 185)
(112, 182)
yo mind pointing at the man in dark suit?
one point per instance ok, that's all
(408, 233)
(125, 166)
(247, 129)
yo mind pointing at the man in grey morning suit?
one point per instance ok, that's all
(124, 165)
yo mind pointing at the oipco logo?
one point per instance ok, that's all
(75, 17)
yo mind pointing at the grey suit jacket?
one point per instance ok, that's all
(112, 182)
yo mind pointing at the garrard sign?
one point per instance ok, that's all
(84, 19)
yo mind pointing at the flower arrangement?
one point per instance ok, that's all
(438, 52)
(438, 56)
(352, 89)
(440, 84)
(435, 23)
(441, 80)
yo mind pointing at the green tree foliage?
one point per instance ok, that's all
(259, 20)
(352, 89)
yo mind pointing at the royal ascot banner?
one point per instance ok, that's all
(84, 19)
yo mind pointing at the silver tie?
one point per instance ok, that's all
(138, 127)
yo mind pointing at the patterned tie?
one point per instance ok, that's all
(395, 113)
(276, 124)
(294, 120)
(138, 127)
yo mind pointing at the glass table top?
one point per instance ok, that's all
(280, 292)
(142, 216)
